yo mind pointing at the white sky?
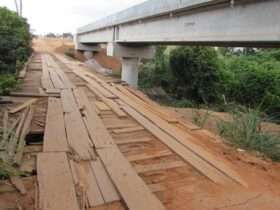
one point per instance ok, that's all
(60, 16)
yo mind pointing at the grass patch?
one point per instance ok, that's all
(244, 131)
(7, 171)
(7, 83)
(200, 117)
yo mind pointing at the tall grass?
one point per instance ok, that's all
(244, 131)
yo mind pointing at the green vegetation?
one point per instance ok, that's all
(7, 170)
(222, 79)
(244, 131)
(15, 47)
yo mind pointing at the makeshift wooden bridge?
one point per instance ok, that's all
(107, 146)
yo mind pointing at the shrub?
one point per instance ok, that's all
(15, 40)
(196, 73)
(7, 83)
(244, 131)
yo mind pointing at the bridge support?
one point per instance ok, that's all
(131, 55)
(130, 71)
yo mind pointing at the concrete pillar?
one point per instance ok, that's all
(88, 55)
(130, 71)
(130, 58)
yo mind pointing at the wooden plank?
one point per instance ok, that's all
(23, 106)
(45, 79)
(105, 184)
(128, 130)
(96, 129)
(110, 206)
(120, 125)
(5, 130)
(155, 188)
(18, 184)
(102, 106)
(159, 166)
(21, 142)
(133, 140)
(76, 130)
(138, 197)
(57, 82)
(185, 140)
(196, 161)
(145, 156)
(56, 187)
(111, 103)
(154, 107)
(12, 144)
(88, 183)
(55, 135)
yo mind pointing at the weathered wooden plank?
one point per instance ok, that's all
(145, 156)
(102, 106)
(76, 130)
(18, 183)
(23, 106)
(88, 183)
(159, 166)
(107, 188)
(133, 140)
(139, 196)
(55, 135)
(109, 102)
(128, 130)
(45, 79)
(25, 130)
(56, 187)
(95, 126)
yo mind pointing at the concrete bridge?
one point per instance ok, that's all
(132, 33)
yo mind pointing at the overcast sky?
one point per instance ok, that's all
(60, 16)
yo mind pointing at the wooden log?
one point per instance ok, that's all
(23, 106)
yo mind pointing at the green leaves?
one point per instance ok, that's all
(15, 40)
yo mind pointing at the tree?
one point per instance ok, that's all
(196, 74)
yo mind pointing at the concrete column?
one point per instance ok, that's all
(130, 71)
(130, 58)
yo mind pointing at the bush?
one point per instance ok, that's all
(15, 47)
(244, 131)
(155, 73)
(15, 40)
(7, 83)
(196, 74)
(254, 81)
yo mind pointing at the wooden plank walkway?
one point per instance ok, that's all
(102, 140)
